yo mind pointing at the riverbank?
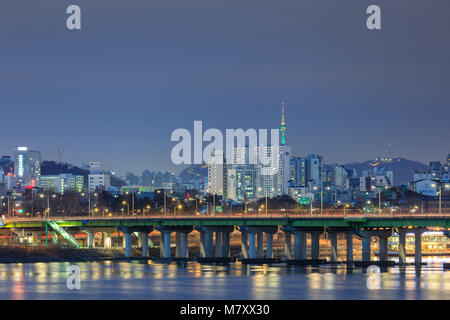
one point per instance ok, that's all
(34, 254)
(28, 254)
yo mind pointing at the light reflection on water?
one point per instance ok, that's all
(147, 280)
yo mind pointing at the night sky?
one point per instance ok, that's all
(138, 69)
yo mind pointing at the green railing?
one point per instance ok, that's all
(71, 240)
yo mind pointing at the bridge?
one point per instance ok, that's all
(215, 232)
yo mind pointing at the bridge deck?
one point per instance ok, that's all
(294, 220)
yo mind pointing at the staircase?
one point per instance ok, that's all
(71, 240)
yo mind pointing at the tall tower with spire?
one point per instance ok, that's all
(283, 125)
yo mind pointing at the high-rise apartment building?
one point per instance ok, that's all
(315, 170)
(27, 166)
(298, 172)
(216, 172)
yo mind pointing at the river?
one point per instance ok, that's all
(149, 280)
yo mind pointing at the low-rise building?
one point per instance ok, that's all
(99, 182)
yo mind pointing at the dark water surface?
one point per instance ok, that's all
(142, 280)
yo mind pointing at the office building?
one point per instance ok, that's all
(27, 166)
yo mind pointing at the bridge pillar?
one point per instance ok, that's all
(252, 245)
(366, 248)
(383, 247)
(90, 238)
(418, 246)
(219, 247)
(244, 244)
(222, 239)
(288, 245)
(206, 244)
(165, 244)
(334, 246)
(177, 244)
(300, 245)
(269, 245)
(140, 240)
(402, 246)
(349, 238)
(315, 244)
(107, 243)
(225, 244)
(183, 251)
(180, 240)
(209, 248)
(260, 245)
(123, 240)
(144, 240)
(128, 252)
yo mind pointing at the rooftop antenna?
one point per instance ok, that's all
(60, 154)
(389, 151)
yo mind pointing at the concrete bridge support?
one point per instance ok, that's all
(90, 242)
(219, 244)
(288, 245)
(334, 246)
(383, 248)
(181, 236)
(269, 245)
(255, 235)
(383, 236)
(139, 237)
(144, 243)
(183, 242)
(143, 233)
(260, 245)
(252, 245)
(165, 251)
(418, 246)
(333, 233)
(300, 245)
(315, 245)
(244, 245)
(366, 248)
(402, 246)
(123, 239)
(107, 240)
(222, 241)
(177, 244)
(225, 244)
(127, 236)
(206, 244)
(349, 238)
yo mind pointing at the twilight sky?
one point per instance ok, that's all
(138, 69)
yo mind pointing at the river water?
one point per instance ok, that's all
(147, 280)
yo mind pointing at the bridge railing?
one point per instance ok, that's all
(272, 213)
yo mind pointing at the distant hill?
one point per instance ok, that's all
(53, 168)
(194, 172)
(404, 169)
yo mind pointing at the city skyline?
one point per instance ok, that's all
(115, 90)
